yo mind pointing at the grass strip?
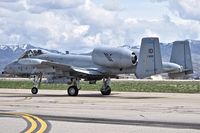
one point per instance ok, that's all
(126, 86)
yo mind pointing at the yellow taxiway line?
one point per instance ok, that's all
(42, 122)
(33, 124)
(33, 120)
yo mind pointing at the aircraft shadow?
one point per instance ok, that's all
(113, 95)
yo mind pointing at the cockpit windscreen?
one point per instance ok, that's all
(32, 53)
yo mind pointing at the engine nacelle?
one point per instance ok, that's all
(114, 57)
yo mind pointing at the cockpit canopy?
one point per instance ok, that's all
(32, 53)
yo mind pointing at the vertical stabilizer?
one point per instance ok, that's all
(181, 55)
(150, 61)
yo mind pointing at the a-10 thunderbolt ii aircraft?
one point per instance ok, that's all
(103, 63)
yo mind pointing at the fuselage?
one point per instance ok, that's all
(82, 61)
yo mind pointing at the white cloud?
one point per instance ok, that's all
(83, 24)
(41, 6)
(185, 15)
(9, 0)
(112, 5)
(186, 9)
(97, 16)
(13, 5)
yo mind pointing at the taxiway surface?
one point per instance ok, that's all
(54, 111)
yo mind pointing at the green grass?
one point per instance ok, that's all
(127, 86)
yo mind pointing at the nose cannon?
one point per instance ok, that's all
(5, 70)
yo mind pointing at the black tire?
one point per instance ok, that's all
(34, 90)
(72, 91)
(106, 91)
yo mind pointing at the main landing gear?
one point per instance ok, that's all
(106, 90)
(36, 83)
(74, 89)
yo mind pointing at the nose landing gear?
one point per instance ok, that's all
(36, 83)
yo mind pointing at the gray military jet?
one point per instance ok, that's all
(103, 63)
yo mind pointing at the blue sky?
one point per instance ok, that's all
(81, 25)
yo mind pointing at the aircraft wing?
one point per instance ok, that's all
(39, 63)
(88, 71)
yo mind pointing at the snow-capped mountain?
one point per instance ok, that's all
(16, 47)
(8, 53)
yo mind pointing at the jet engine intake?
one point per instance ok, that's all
(134, 58)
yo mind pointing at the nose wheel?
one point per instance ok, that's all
(34, 90)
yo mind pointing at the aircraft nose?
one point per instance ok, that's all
(4, 71)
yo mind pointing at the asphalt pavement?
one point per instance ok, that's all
(127, 112)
